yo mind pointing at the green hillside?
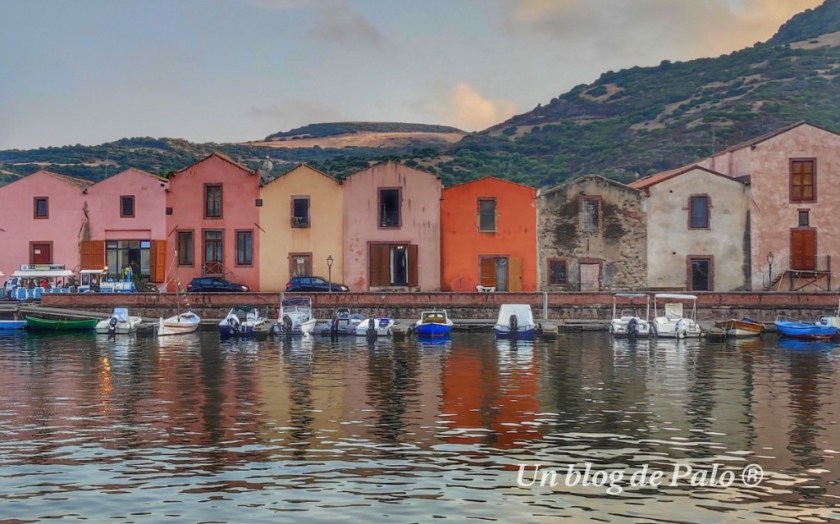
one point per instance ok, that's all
(342, 128)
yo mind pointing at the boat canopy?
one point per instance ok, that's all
(43, 273)
(675, 296)
(522, 311)
(630, 295)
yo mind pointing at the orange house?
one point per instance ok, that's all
(489, 236)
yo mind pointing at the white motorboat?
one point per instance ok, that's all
(515, 321)
(243, 321)
(294, 313)
(628, 322)
(180, 324)
(379, 327)
(673, 323)
(119, 323)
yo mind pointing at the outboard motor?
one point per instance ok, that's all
(112, 327)
(371, 330)
(514, 325)
(287, 325)
(233, 324)
(681, 328)
(633, 328)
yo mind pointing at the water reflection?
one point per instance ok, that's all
(199, 429)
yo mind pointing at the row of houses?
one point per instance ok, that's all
(755, 216)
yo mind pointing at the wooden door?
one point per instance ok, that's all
(803, 249)
(41, 253)
(487, 271)
(93, 254)
(590, 277)
(300, 264)
(157, 261)
(515, 274)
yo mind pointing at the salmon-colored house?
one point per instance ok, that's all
(794, 176)
(41, 220)
(392, 229)
(125, 225)
(489, 236)
(301, 220)
(212, 221)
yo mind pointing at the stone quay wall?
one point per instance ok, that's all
(763, 307)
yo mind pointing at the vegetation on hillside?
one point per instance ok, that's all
(343, 128)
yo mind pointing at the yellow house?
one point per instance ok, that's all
(301, 221)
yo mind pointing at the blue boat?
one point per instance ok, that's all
(8, 325)
(788, 327)
(433, 324)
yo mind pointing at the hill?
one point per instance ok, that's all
(627, 123)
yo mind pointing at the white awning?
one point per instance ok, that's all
(43, 274)
(675, 296)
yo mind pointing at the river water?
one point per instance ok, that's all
(196, 430)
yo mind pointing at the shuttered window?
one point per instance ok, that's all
(803, 181)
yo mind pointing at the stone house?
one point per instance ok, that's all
(592, 235)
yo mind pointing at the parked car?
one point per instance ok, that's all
(310, 284)
(215, 285)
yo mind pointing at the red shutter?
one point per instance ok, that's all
(380, 265)
(93, 254)
(413, 266)
(157, 261)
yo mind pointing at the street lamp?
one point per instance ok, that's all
(329, 270)
(770, 264)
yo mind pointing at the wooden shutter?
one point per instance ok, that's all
(514, 274)
(487, 271)
(93, 254)
(380, 265)
(157, 261)
(413, 266)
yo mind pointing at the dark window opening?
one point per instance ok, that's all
(699, 210)
(185, 248)
(389, 208)
(557, 273)
(300, 212)
(213, 201)
(487, 214)
(42, 208)
(126, 206)
(244, 248)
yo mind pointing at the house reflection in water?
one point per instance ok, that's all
(490, 396)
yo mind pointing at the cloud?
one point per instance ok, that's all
(335, 22)
(469, 110)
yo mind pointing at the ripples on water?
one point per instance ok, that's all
(302, 430)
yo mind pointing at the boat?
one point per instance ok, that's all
(243, 321)
(628, 322)
(64, 324)
(745, 327)
(515, 321)
(831, 320)
(434, 323)
(119, 323)
(673, 323)
(803, 329)
(180, 324)
(343, 322)
(294, 312)
(9, 325)
(375, 327)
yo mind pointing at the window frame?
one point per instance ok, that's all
(549, 273)
(46, 201)
(492, 229)
(382, 223)
(295, 220)
(791, 163)
(689, 260)
(242, 262)
(123, 200)
(182, 261)
(207, 190)
(204, 245)
(587, 199)
(697, 198)
(806, 213)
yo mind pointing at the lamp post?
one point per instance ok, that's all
(329, 271)
(770, 264)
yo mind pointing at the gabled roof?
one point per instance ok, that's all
(652, 180)
(478, 180)
(396, 164)
(583, 178)
(135, 170)
(220, 156)
(73, 181)
(302, 165)
(768, 136)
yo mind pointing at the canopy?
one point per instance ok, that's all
(675, 296)
(43, 274)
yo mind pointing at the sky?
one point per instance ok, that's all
(93, 71)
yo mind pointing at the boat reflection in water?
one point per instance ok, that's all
(198, 429)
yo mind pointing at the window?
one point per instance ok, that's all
(803, 181)
(698, 206)
(185, 248)
(42, 207)
(244, 248)
(213, 252)
(557, 273)
(487, 214)
(389, 208)
(591, 211)
(300, 264)
(126, 206)
(700, 273)
(135, 254)
(213, 201)
(300, 211)
(804, 218)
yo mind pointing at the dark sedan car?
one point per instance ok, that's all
(215, 285)
(309, 284)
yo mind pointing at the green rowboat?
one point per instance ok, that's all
(43, 324)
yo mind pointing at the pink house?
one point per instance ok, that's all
(392, 229)
(126, 225)
(794, 176)
(212, 221)
(41, 221)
